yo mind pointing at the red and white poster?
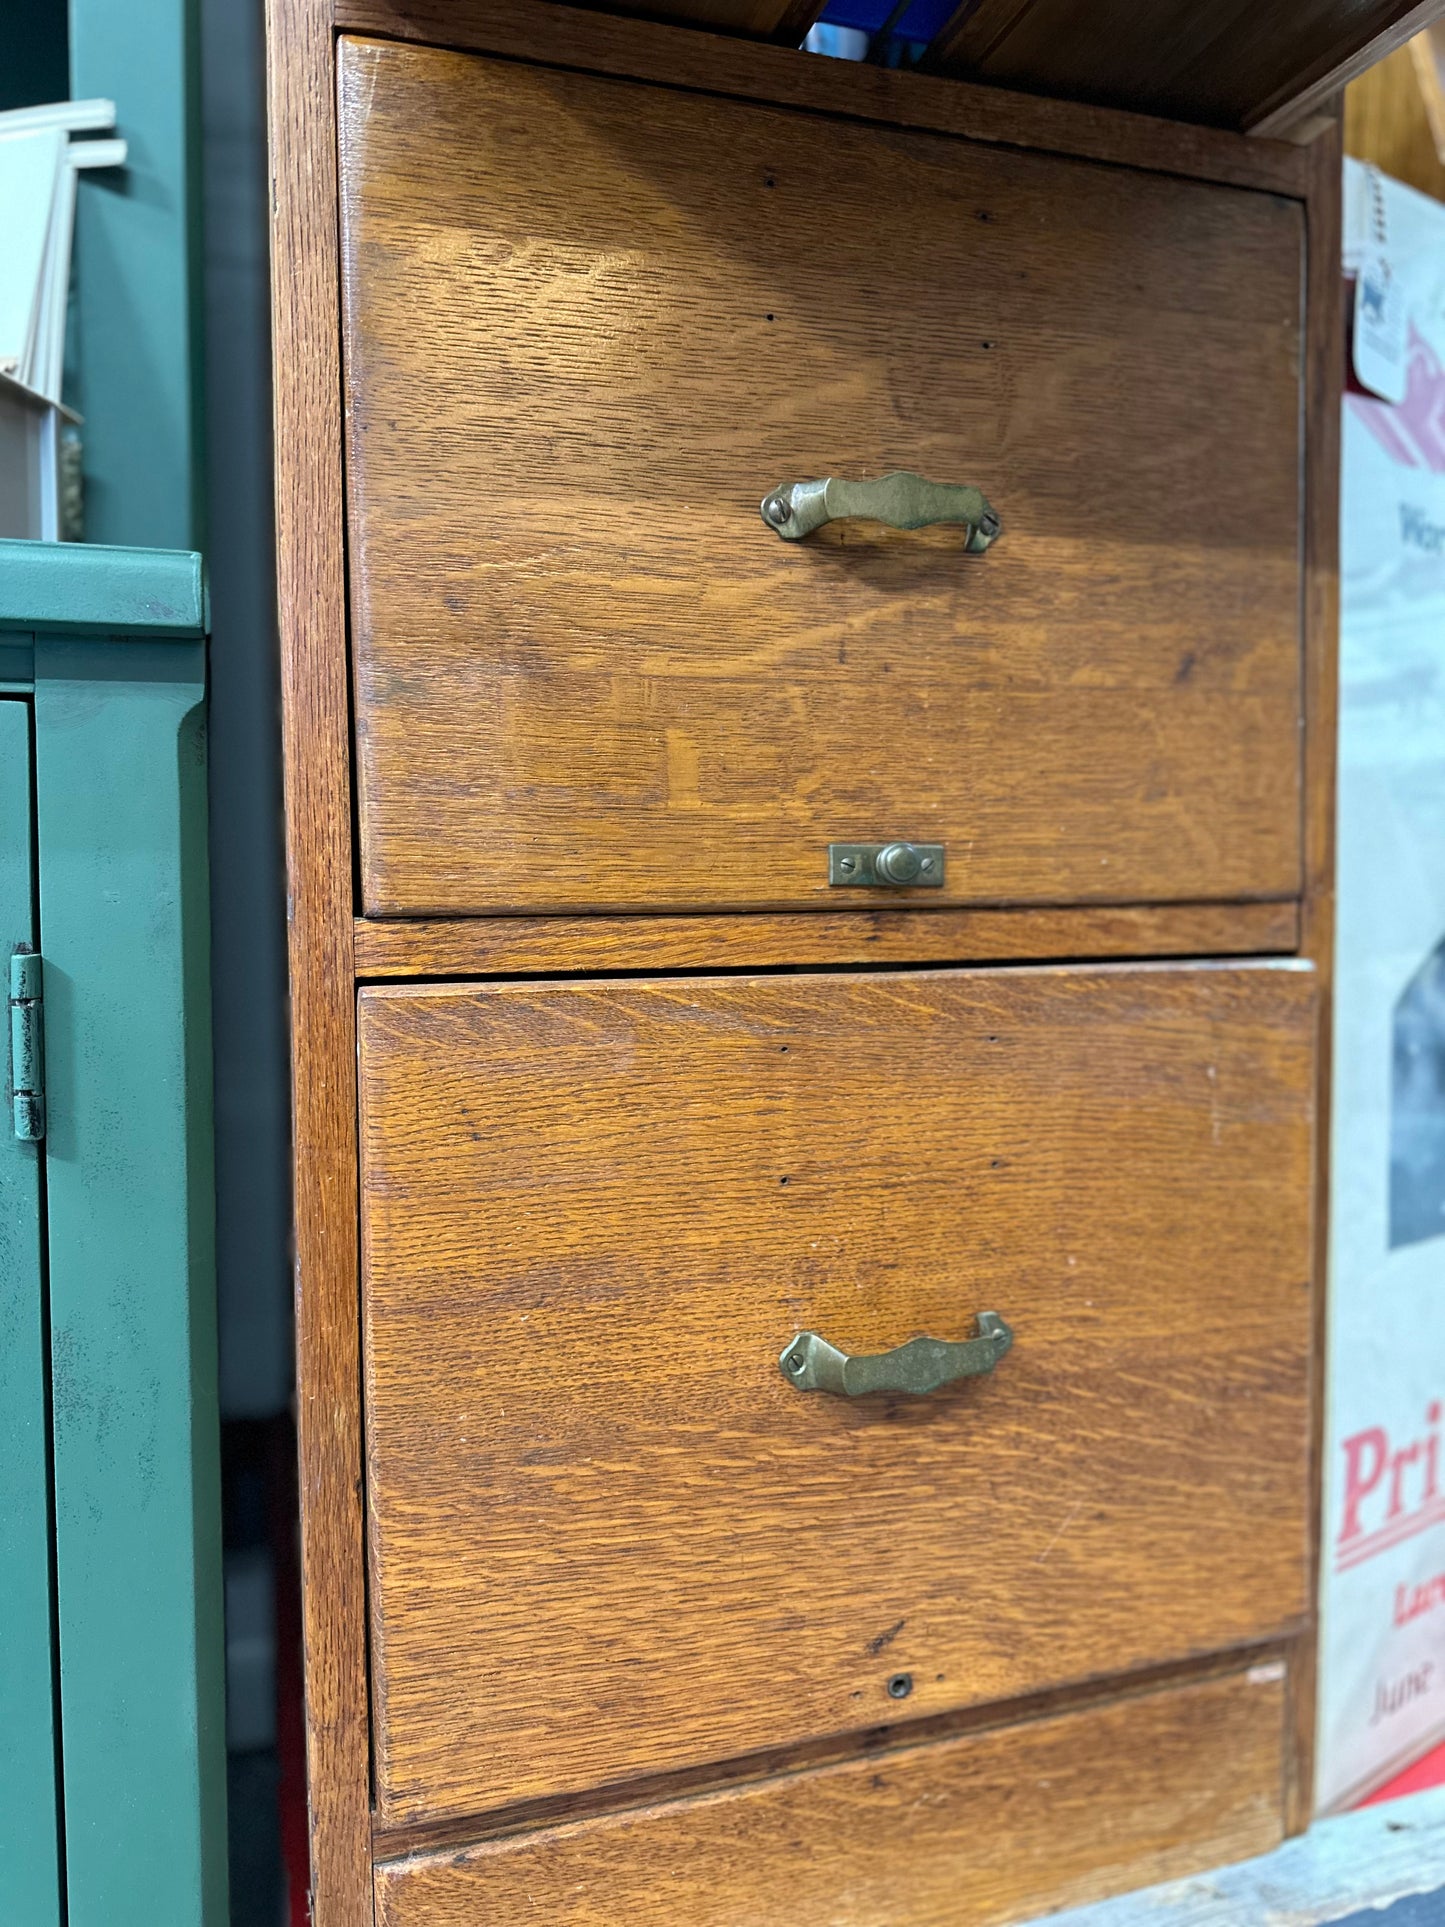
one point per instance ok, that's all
(1382, 1705)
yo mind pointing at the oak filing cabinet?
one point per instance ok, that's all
(807, 601)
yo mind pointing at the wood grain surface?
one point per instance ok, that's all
(1370, 32)
(1387, 122)
(589, 325)
(502, 946)
(310, 565)
(1228, 62)
(573, 37)
(986, 1830)
(787, 20)
(608, 1538)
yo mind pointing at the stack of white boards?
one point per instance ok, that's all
(42, 150)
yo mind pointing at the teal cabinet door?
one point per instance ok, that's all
(112, 1712)
(29, 1842)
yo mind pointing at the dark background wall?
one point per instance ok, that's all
(248, 960)
(36, 66)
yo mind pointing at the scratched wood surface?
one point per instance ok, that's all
(503, 946)
(984, 1830)
(588, 325)
(608, 1538)
(311, 606)
(1227, 62)
(568, 36)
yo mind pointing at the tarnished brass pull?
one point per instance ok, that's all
(920, 1366)
(903, 500)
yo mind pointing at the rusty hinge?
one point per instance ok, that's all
(27, 1043)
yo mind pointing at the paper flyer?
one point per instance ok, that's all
(1382, 1685)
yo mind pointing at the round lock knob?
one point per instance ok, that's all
(898, 863)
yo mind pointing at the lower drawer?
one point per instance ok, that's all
(992, 1828)
(610, 1537)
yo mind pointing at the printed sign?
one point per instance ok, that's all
(1382, 1684)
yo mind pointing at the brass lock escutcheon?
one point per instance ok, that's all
(885, 866)
(922, 1365)
(903, 500)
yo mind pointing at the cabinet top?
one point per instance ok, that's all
(79, 588)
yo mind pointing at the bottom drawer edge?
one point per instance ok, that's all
(986, 1829)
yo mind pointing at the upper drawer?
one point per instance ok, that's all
(589, 324)
(608, 1535)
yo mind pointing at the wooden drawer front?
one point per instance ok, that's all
(589, 324)
(983, 1831)
(608, 1537)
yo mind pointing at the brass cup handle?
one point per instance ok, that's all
(903, 500)
(920, 1366)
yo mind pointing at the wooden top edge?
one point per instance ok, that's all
(690, 56)
(1162, 968)
(499, 946)
(394, 1846)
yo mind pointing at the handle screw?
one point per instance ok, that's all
(778, 509)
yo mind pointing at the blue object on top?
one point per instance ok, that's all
(921, 21)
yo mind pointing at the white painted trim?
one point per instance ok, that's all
(1367, 1859)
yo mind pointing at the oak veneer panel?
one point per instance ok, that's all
(588, 324)
(569, 36)
(607, 1537)
(311, 607)
(985, 1830)
(502, 946)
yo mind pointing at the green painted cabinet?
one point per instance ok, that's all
(111, 1658)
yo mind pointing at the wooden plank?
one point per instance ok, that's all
(975, 30)
(761, 19)
(1324, 375)
(395, 1840)
(1427, 56)
(986, 1829)
(1370, 1859)
(120, 774)
(616, 317)
(519, 946)
(571, 37)
(596, 1211)
(1366, 35)
(1388, 124)
(29, 1763)
(1229, 64)
(315, 748)
(1175, 58)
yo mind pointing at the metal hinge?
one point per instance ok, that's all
(27, 1043)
